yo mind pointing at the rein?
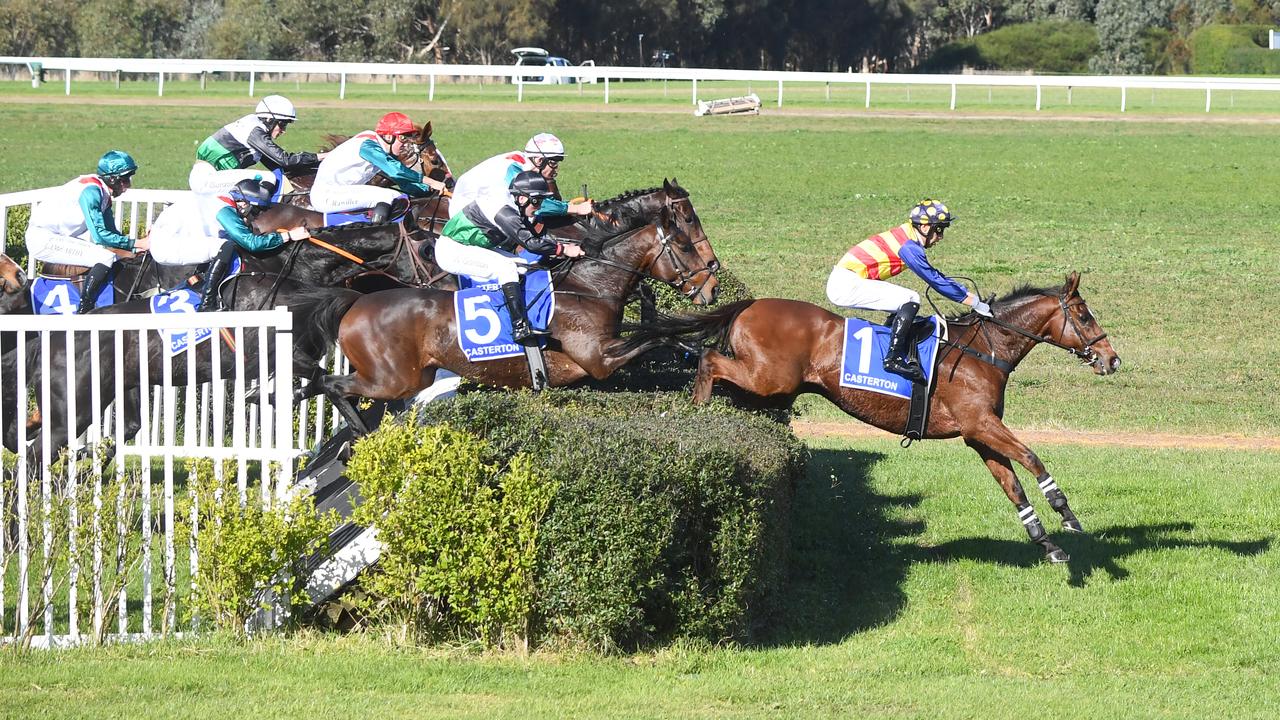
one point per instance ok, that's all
(1087, 355)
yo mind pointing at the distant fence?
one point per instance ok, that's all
(603, 74)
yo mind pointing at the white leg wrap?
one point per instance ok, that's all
(1028, 515)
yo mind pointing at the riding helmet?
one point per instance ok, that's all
(531, 184)
(251, 191)
(931, 212)
(545, 145)
(276, 107)
(395, 123)
(116, 164)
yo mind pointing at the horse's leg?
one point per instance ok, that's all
(706, 377)
(1002, 470)
(1002, 439)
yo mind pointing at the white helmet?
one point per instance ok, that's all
(276, 107)
(544, 145)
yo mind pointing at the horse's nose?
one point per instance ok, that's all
(1115, 363)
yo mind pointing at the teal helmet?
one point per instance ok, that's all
(116, 164)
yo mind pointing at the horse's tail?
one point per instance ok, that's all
(685, 331)
(321, 311)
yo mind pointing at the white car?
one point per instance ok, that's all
(533, 57)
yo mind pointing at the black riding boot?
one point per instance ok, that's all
(899, 335)
(213, 277)
(93, 282)
(381, 212)
(521, 328)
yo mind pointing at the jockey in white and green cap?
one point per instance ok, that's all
(227, 156)
(75, 226)
(543, 153)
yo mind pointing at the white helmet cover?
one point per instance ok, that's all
(276, 107)
(545, 145)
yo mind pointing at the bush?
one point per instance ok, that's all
(245, 551)
(459, 539)
(669, 520)
(1049, 46)
(1232, 50)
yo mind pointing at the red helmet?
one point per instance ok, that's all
(394, 123)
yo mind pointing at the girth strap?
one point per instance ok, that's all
(1002, 365)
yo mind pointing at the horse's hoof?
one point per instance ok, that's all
(1073, 526)
(1057, 556)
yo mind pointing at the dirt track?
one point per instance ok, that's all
(854, 430)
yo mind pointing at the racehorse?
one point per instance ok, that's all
(777, 349)
(266, 280)
(396, 340)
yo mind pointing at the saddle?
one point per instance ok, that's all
(61, 271)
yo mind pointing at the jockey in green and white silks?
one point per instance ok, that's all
(482, 240)
(341, 181)
(75, 226)
(543, 153)
(227, 156)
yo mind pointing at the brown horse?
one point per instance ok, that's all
(778, 349)
(397, 339)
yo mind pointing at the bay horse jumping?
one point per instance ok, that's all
(777, 349)
(396, 340)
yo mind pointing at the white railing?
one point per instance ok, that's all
(593, 73)
(218, 420)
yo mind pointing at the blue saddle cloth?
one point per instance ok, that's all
(862, 364)
(61, 296)
(484, 325)
(184, 299)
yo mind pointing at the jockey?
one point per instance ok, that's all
(340, 181)
(224, 157)
(75, 226)
(544, 152)
(230, 216)
(858, 280)
(482, 239)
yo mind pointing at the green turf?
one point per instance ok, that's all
(913, 593)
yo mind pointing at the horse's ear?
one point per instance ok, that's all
(666, 185)
(1073, 284)
(425, 134)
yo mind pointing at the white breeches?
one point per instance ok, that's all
(340, 198)
(180, 239)
(207, 181)
(49, 247)
(477, 262)
(849, 289)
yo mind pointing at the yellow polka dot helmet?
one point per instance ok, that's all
(931, 212)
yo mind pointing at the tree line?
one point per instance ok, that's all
(876, 35)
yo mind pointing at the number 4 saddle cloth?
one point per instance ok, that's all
(865, 346)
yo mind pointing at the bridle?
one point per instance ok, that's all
(1086, 354)
(684, 272)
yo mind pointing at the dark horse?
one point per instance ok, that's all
(397, 339)
(267, 280)
(776, 349)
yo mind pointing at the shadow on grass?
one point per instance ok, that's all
(852, 550)
(1102, 549)
(846, 571)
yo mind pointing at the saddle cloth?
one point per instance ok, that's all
(61, 295)
(399, 208)
(862, 363)
(484, 325)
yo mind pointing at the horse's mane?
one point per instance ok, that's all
(621, 208)
(1021, 292)
(338, 233)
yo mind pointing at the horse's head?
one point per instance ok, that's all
(12, 278)
(420, 153)
(1076, 328)
(682, 262)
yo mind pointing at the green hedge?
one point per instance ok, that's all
(1232, 50)
(669, 521)
(1050, 46)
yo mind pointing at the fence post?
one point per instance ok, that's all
(1208, 92)
(953, 96)
(1123, 97)
(779, 93)
(867, 103)
(1037, 96)
(283, 401)
(160, 91)
(342, 87)
(252, 74)
(606, 91)
(695, 91)
(67, 78)
(393, 85)
(431, 89)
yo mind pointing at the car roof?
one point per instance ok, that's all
(529, 52)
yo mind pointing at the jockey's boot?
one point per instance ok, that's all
(895, 361)
(521, 328)
(93, 282)
(380, 213)
(210, 300)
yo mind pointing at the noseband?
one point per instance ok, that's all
(1087, 355)
(683, 272)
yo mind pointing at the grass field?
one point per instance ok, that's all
(913, 594)
(913, 591)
